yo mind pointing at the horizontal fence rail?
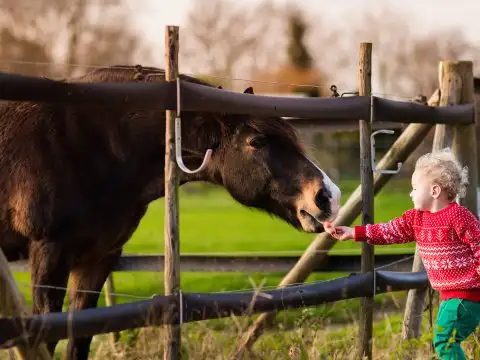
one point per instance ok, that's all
(196, 97)
(204, 98)
(211, 263)
(202, 306)
(398, 111)
(29, 88)
(327, 125)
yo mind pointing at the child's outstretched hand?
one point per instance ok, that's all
(339, 232)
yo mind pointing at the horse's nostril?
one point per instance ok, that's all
(322, 198)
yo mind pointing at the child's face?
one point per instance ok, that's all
(422, 191)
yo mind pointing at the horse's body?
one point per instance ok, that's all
(77, 179)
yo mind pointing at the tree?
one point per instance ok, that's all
(298, 55)
(18, 49)
(94, 40)
(405, 63)
(72, 32)
(222, 38)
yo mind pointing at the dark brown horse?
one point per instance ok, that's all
(76, 180)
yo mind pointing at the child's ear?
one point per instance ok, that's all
(435, 191)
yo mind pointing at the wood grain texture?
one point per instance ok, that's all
(172, 235)
(365, 330)
(464, 144)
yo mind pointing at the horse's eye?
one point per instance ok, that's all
(257, 142)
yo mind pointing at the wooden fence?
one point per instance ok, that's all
(176, 307)
(248, 263)
(201, 306)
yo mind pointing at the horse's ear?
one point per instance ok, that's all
(248, 90)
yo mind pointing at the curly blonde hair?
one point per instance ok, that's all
(445, 170)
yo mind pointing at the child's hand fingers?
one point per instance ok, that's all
(338, 234)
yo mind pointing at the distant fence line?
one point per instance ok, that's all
(212, 263)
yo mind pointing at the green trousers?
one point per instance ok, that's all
(456, 320)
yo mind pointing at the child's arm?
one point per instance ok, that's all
(396, 231)
(467, 227)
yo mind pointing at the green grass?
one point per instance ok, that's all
(314, 337)
(214, 223)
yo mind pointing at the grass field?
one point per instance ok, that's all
(214, 223)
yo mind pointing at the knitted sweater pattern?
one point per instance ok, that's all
(448, 242)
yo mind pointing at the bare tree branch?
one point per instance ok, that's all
(221, 37)
(72, 32)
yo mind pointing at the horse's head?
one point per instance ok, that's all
(261, 163)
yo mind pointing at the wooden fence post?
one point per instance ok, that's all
(110, 300)
(456, 87)
(12, 303)
(464, 137)
(366, 178)
(172, 234)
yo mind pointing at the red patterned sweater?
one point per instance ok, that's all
(448, 242)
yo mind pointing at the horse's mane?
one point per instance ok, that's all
(272, 126)
(128, 73)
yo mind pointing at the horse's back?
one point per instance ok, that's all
(29, 138)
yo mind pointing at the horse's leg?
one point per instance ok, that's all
(49, 276)
(90, 277)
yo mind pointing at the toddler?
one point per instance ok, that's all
(448, 241)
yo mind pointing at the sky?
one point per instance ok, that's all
(154, 15)
(427, 16)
